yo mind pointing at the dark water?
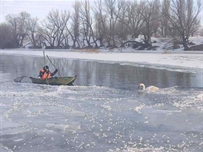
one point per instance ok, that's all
(100, 74)
(102, 112)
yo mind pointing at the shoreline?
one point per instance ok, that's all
(191, 62)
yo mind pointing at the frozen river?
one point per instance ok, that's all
(102, 112)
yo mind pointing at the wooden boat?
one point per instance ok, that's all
(55, 80)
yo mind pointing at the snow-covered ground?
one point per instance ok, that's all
(172, 60)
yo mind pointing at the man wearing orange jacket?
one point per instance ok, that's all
(44, 73)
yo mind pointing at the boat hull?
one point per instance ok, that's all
(54, 80)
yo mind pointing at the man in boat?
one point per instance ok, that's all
(44, 73)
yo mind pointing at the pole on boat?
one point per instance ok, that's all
(44, 57)
(53, 65)
(44, 64)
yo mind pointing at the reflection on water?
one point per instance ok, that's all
(100, 74)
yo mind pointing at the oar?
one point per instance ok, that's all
(53, 65)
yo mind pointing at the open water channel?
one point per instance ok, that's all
(102, 112)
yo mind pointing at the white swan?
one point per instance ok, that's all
(199, 97)
(150, 88)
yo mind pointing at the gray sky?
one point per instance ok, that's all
(36, 8)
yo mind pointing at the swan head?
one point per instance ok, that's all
(141, 86)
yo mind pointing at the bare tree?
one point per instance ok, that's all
(18, 25)
(14, 23)
(6, 36)
(87, 24)
(75, 25)
(184, 18)
(113, 10)
(164, 23)
(32, 27)
(135, 18)
(24, 17)
(100, 22)
(156, 16)
(121, 27)
(150, 18)
(54, 26)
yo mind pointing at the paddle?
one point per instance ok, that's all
(53, 65)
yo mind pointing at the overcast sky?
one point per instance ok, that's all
(36, 8)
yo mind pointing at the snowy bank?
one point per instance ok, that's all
(188, 61)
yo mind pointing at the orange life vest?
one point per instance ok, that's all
(45, 75)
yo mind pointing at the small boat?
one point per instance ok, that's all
(55, 80)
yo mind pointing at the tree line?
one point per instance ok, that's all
(104, 23)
